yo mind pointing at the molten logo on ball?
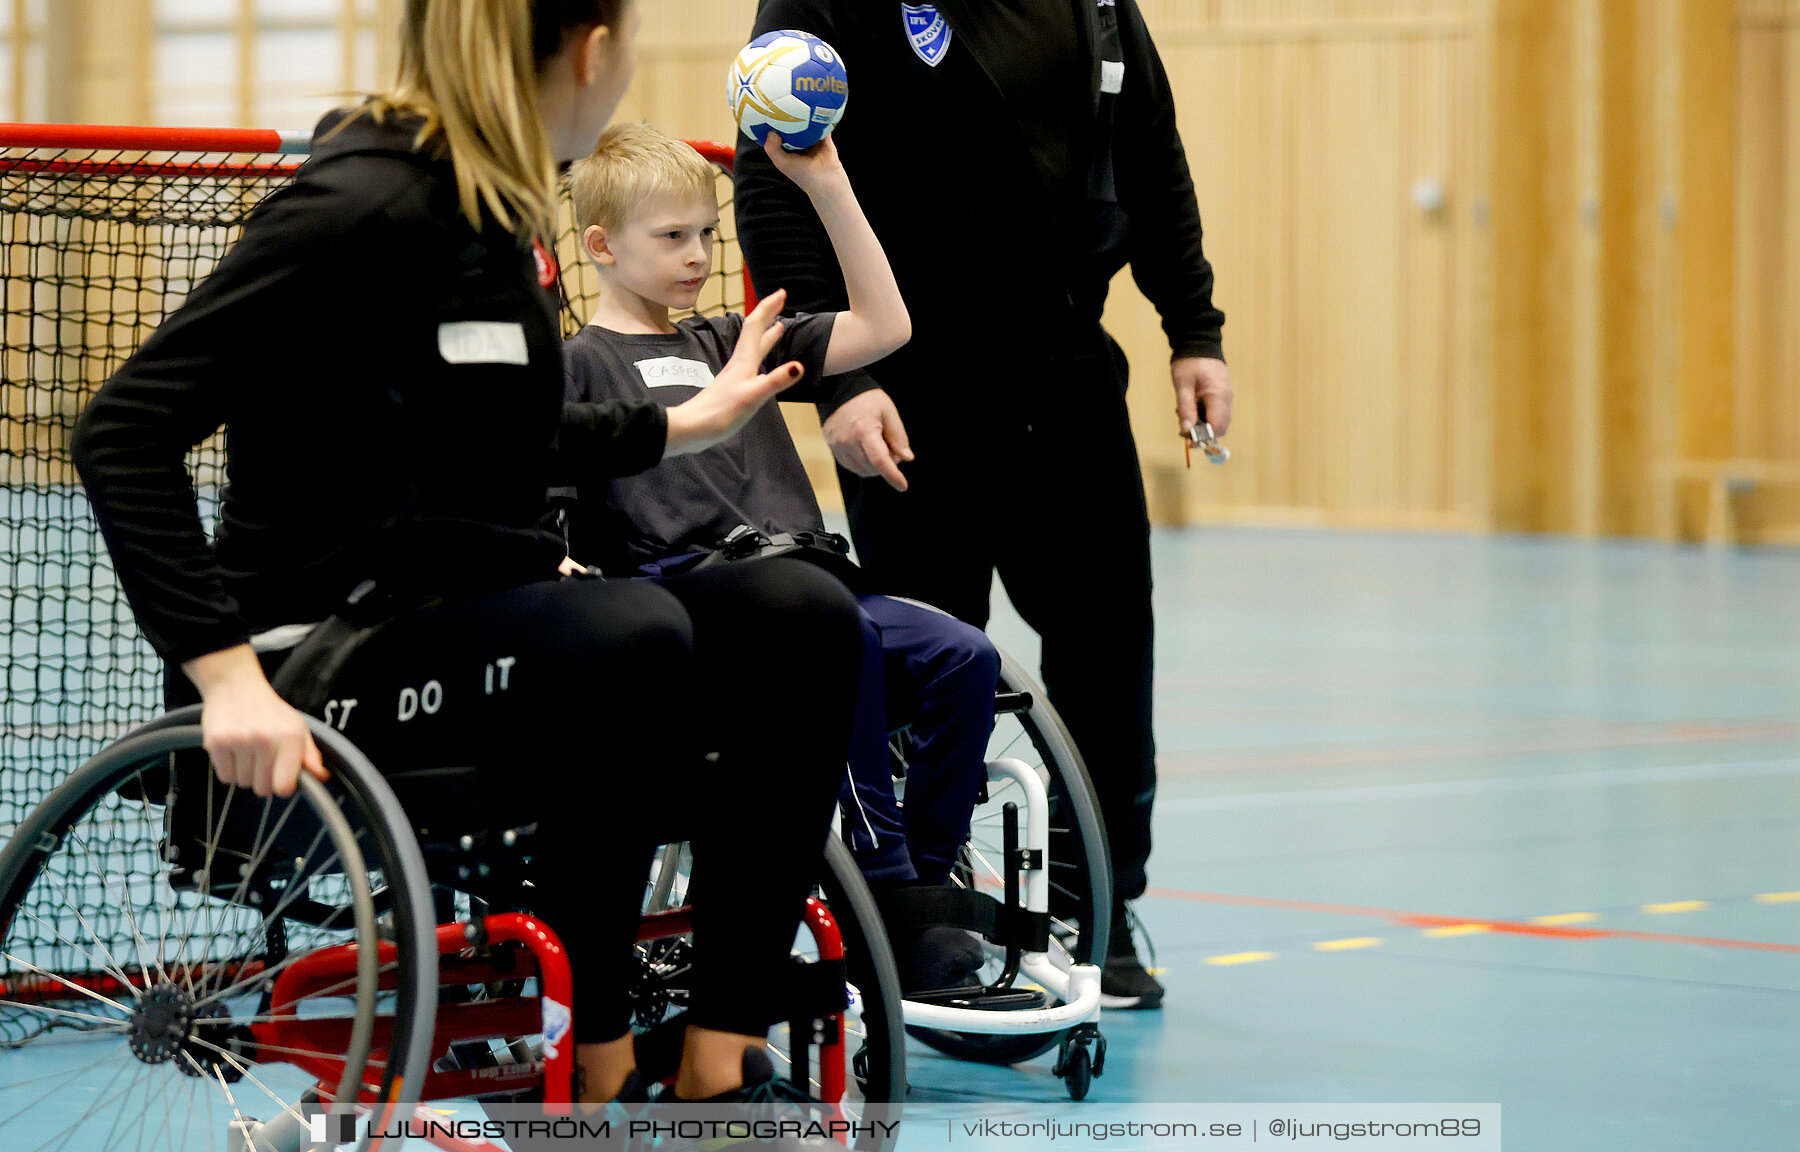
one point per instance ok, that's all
(788, 82)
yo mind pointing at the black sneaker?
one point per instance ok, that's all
(941, 957)
(763, 1097)
(1124, 981)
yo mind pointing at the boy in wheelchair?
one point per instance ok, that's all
(647, 211)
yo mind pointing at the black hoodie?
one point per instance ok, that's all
(390, 381)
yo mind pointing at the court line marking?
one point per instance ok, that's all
(1188, 763)
(1240, 958)
(1468, 924)
(1487, 785)
(1674, 906)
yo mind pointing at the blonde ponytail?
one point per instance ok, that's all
(470, 68)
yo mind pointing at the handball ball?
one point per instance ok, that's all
(789, 82)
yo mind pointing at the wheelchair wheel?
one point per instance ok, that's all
(873, 1038)
(1080, 875)
(218, 961)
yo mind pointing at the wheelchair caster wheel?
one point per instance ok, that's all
(1081, 1058)
(1078, 1072)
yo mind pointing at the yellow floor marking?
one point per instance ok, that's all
(1566, 918)
(1351, 942)
(1676, 906)
(1457, 930)
(1777, 897)
(1240, 958)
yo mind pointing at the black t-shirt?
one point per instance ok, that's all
(688, 503)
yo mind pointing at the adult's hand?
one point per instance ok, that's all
(867, 438)
(740, 388)
(254, 737)
(1202, 392)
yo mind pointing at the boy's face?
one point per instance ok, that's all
(664, 251)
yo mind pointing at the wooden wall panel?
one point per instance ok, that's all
(1529, 356)
(1308, 125)
(1766, 391)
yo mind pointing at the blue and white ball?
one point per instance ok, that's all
(789, 82)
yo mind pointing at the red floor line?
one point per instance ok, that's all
(1426, 920)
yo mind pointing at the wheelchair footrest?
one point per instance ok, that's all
(983, 999)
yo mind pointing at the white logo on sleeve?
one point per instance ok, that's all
(1112, 76)
(674, 371)
(482, 342)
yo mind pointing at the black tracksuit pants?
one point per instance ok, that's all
(1047, 493)
(589, 706)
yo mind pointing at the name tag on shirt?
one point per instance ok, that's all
(674, 371)
(1112, 76)
(482, 342)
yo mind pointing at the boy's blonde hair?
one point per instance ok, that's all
(632, 164)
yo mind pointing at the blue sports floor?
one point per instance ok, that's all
(1446, 818)
(1455, 819)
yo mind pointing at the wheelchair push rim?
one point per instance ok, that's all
(168, 934)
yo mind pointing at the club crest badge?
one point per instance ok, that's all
(927, 31)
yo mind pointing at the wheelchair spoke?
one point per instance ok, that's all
(245, 940)
(123, 899)
(244, 1071)
(187, 1094)
(162, 1127)
(263, 846)
(72, 900)
(64, 1076)
(390, 966)
(60, 980)
(293, 891)
(164, 892)
(125, 1108)
(213, 907)
(372, 1062)
(229, 1098)
(60, 1073)
(1010, 745)
(99, 1098)
(111, 969)
(114, 1022)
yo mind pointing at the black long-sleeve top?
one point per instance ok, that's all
(1009, 180)
(390, 382)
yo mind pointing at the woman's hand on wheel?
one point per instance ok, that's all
(255, 738)
(739, 390)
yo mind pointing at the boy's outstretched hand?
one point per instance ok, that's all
(740, 388)
(810, 167)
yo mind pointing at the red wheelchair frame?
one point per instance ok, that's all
(542, 957)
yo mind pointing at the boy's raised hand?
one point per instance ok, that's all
(741, 387)
(810, 167)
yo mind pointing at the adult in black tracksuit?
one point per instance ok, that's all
(1012, 155)
(383, 347)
